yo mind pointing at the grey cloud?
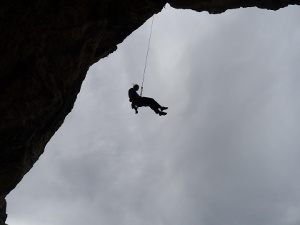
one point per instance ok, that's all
(226, 153)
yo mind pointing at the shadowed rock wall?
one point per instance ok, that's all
(46, 49)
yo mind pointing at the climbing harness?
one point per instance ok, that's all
(147, 56)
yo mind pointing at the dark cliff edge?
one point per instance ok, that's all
(47, 47)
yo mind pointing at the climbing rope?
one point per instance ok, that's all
(142, 87)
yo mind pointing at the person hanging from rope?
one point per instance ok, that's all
(139, 101)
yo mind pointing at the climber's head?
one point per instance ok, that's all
(136, 87)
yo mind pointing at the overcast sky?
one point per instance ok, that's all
(227, 153)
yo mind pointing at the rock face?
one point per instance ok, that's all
(3, 212)
(46, 49)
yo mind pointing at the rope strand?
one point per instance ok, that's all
(142, 87)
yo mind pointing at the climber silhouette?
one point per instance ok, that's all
(138, 101)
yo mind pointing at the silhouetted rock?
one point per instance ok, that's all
(46, 49)
(3, 212)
